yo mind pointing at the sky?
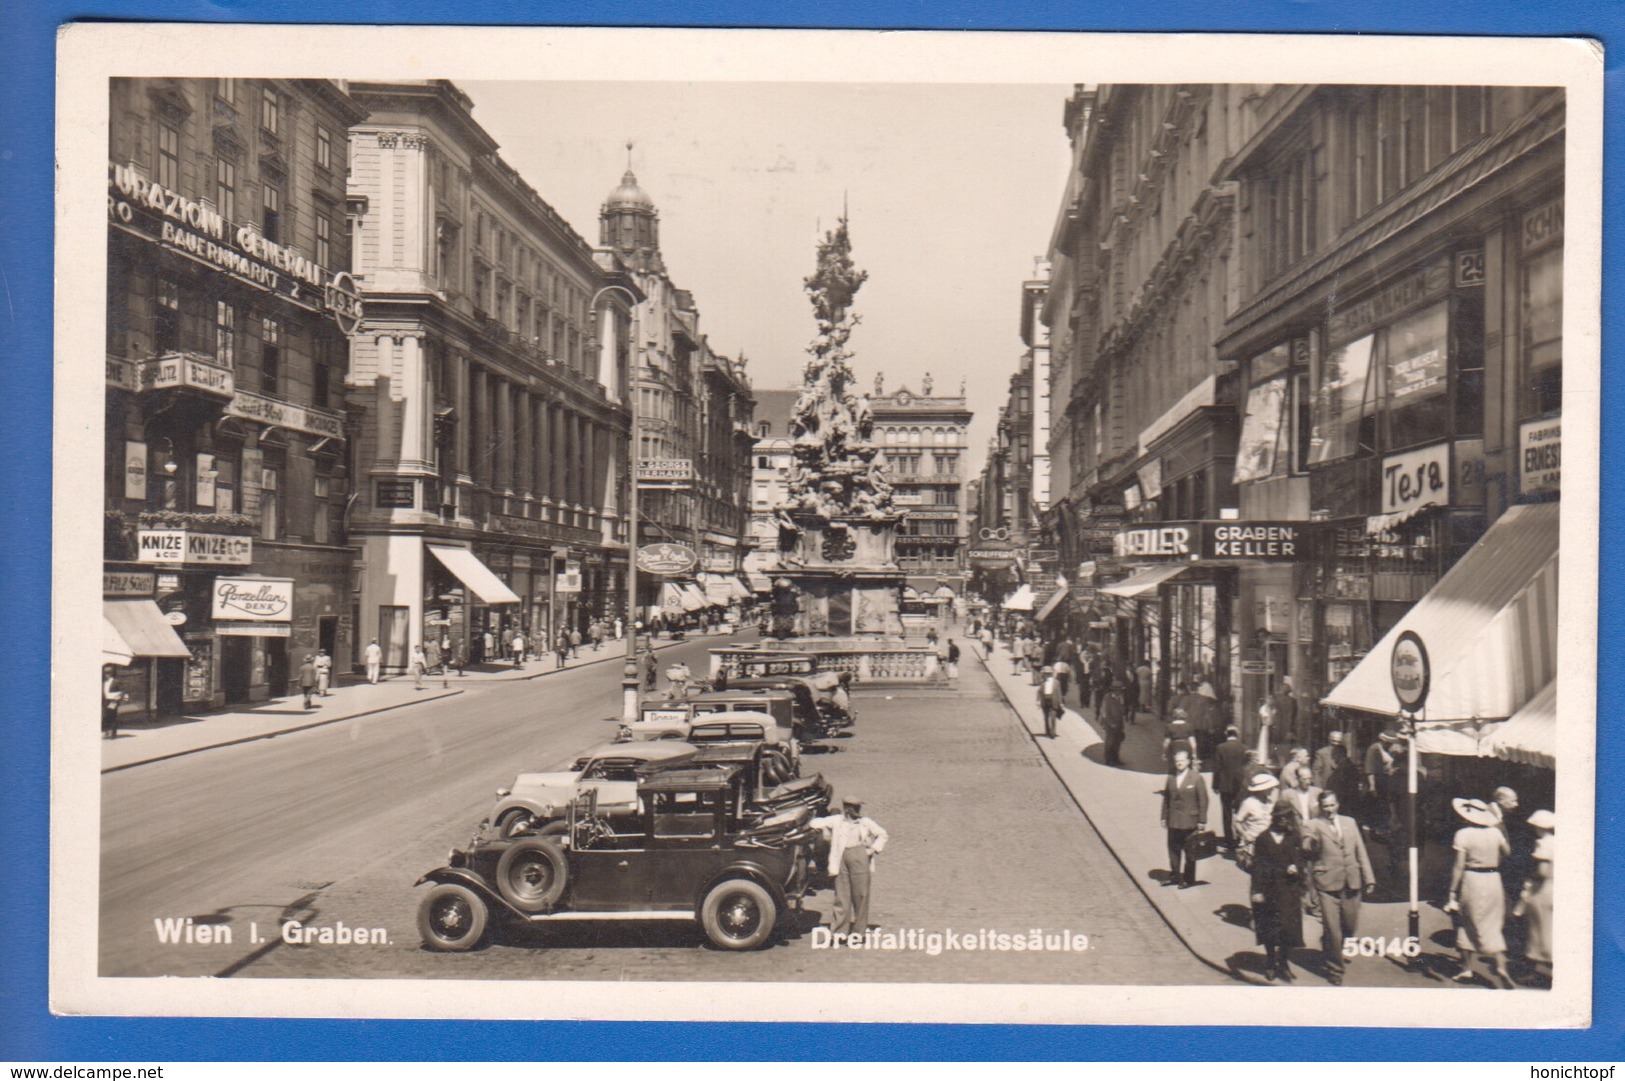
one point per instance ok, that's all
(951, 190)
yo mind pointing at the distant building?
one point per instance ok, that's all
(925, 442)
(769, 486)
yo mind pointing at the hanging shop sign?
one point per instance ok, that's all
(185, 546)
(135, 471)
(263, 599)
(122, 374)
(297, 418)
(1540, 456)
(667, 560)
(343, 299)
(185, 370)
(1408, 667)
(1416, 479)
(252, 629)
(666, 471)
(1216, 541)
(568, 580)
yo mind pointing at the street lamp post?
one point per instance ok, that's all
(630, 677)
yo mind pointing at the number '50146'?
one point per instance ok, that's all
(1409, 946)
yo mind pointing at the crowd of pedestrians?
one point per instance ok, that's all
(1299, 829)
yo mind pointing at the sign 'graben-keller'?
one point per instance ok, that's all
(1266, 542)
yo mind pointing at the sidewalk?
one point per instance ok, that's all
(171, 737)
(1213, 920)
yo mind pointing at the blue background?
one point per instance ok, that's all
(27, 1029)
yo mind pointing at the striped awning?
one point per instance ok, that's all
(1020, 601)
(142, 628)
(1144, 580)
(693, 598)
(1054, 602)
(1489, 625)
(1530, 737)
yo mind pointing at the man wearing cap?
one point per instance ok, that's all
(1342, 874)
(1253, 816)
(1229, 773)
(1379, 768)
(1049, 699)
(854, 842)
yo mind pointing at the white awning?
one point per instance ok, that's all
(1051, 605)
(1020, 601)
(1530, 737)
(1489, 625)
(1142, 580)
(740, 593)
(142, 629)
(693, 597)
(473, 574)
(115, 650)
(761, 583)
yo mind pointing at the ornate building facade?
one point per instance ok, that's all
(924, 438)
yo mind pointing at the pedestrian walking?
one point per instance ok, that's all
(488, 647)
(1049, 700)
(1229, 777)
(1285, 709)
(1276, 890)
(1476, 898)
(597, 634)
(854, 842)
(1253, 815)
(1326, 759)
(1112, 717)
(417, 664)
(953, 660)
(1035, 658)
(561, 650)
(1018, 653)
(1534, 903)
(620, 629)
(1145, 682)
(1341, 871)
(1298, 791)
(324, 672)
(374, 657)
(986, 639)
(677, 681)
(931, 637)
(646, 657)
(1184, 811)
(112, 698)
(307, 678)
(1063, 674)
(517, 646)
(1379, 767)
(575, 641)
(431, 655)
(1177, 736)
(1101, 680)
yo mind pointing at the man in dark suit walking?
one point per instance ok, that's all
(1229, 777)
(1342, 874)
(1184, 811)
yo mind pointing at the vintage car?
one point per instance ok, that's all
(697, 850)
(664, 716)
(610, 769)
(766, 662)
(818, 716)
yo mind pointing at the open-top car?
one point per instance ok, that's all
(664, 719)
(818, 716)
(697, 849)
(609, 769)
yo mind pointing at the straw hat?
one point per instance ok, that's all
(1262, 782)
(1543, 820)
(1475, 811)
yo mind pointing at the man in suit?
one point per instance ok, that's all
(1229, 775)
(1184, 811)
(1341, 872)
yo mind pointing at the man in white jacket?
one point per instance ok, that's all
(854, 842)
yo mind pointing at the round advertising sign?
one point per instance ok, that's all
(667, 560)
(343, 300)
(1409, 670)
(175, 619)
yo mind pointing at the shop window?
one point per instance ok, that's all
(1467, 364)
(1344, 406)
(225, 189)
(225, 334)
(1262, 430)
(1416, 378)
(169, 157)
(1542, 321)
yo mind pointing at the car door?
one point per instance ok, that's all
(611, 879)
(685, 845)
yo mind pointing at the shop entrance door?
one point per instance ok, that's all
(327, 635)
(395, 634)
(171, 682)
(236, 666)
(276, 666)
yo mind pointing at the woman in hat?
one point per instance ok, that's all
(1254, 815)
(1475, 891)
(1535, 901)
(1277, 891)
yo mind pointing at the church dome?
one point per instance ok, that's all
(629, 194)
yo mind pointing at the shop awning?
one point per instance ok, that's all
(1489, 625)
(740, 593)
(115, 650)
(473, 574)
(761, 583)
(1530, 737)
(143, 629)
(1020, 601)
(1143, 580)
(1052, 605)
(692, 598)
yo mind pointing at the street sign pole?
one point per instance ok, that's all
(1414, 917)
(1412, 676)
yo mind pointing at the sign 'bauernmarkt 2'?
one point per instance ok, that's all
(1214, 541)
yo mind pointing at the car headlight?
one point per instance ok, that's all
(504, 792)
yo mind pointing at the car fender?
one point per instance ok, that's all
(464, 877)
(745, 868)
(539, 808)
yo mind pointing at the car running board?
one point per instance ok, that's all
(659, 914)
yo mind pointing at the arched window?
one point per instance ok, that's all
(914, 436)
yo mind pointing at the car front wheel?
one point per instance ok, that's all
(514, 822)
(738, 915)
(452, 918)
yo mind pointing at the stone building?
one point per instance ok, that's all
(769, 489)
(490, 376)
(924, 440)
(227, 465)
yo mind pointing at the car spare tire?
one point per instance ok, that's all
(532, 874)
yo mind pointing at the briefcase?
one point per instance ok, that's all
(1201, 844)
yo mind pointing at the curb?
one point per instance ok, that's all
(613, 655)
(1180, 931)
(283, 731)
